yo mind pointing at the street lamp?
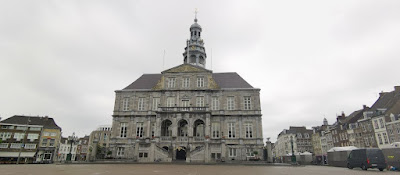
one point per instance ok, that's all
(293, 156)
(71, 139)
(23, 139)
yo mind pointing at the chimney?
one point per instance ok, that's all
(365, 106)
(381, 93)
(397, 88)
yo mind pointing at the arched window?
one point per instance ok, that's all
(198, 129)
(166, 128)
(182, 128)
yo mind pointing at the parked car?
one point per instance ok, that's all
(366, 158)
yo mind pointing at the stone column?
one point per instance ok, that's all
(269, 151)
(207, 127)
(148, 130)
(174, 127)
(158, 126)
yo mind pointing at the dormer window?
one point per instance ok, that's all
(200, 81)
(171, 82)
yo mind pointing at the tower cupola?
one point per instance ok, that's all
(195, 53)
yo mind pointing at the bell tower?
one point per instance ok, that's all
(195, 53)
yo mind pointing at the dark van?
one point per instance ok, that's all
(366, 158)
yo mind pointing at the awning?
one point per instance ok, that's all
(15, 154)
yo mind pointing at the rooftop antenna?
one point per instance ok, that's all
(163, 61)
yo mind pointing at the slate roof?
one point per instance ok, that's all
(46, 122)
(389, 101)
(146, 81)
(224, 81)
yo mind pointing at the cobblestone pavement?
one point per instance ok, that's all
(165, 169)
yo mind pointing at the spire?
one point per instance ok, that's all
(195, 52)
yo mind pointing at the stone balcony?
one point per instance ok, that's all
(183, 109)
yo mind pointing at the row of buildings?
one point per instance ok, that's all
(35, 139)
(377, 126)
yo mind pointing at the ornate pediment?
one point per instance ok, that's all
(185, 68)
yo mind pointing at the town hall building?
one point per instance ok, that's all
(188, 113)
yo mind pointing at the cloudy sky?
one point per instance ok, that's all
(311, 59)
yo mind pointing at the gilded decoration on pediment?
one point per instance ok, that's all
(160, 84)
(185, 68)
(211, 83)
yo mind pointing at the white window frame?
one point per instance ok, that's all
(125, 104)
(139, 129)
(231, 130)
(30, 146)
(214, 103)
(230, 103)
(170, 101)
(186, 82)
(141, 104)
(200, 101)
(215, 130)
(123, 128)
(247, 103)
(249, 130)
(32, 136)
(3, 145)
(250, 152)
(156, 102)
(200, 82)
(171, 82)
(120, 151)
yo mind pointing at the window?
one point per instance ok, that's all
(120, 151)
(398, 130)
(171, 82)
(141, 104)
(143, 155)
(33, 137)
(249, 152)
(3, 145)
(53, 134)
(306, 135)
(381, 122)
(230, 103)
(153, 129)
(215, 130)
(7, 127)
(5, 135)
(30, 146)
(385, 138)
(247, 103)
(123, 130)
(105, 136)
(52, 142)
(231, 130)
(376, 124)
(21, 128)
(156, 102)
(186, 82)
(16, 145)
(125, 104)
(200, 81)
(390, 131)
(44, 142)
(139, 129)
(46, 134)
(380, 139)
(249, 130)
(19, 136)
(232, 152)
(170, 102)
(35, 128)
(214, 103)
(200, 101)
(300, 136)
(185, 103)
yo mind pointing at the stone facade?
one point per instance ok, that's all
(188, 113)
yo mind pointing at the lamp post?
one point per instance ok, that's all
(293, 156)
(23, 139)
(72, 139)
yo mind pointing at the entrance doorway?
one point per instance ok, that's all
(181, 153)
